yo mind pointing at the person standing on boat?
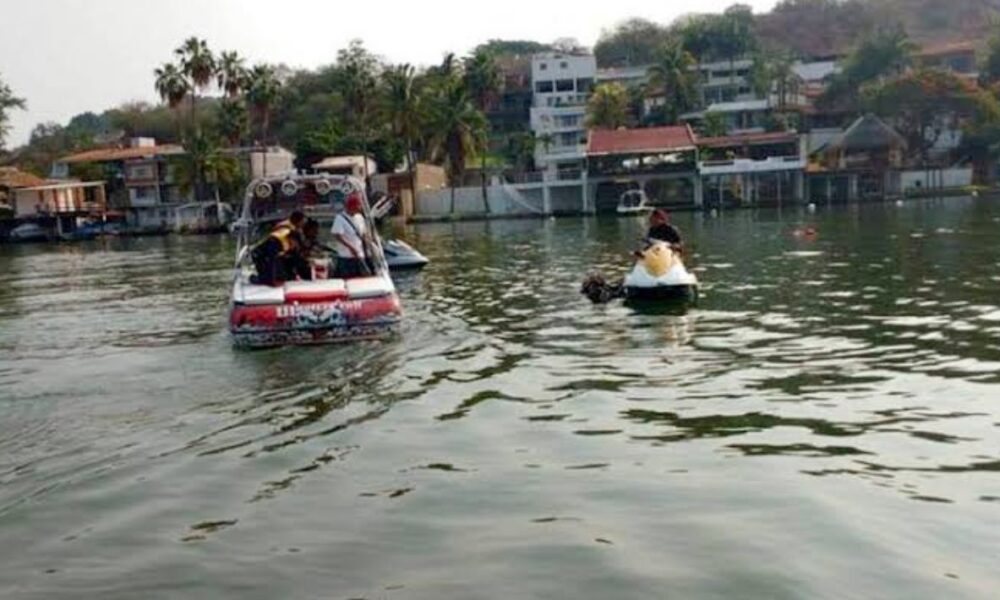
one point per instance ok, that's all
(273, 257)
(661, 230)
(351, 231)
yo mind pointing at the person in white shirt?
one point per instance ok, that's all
(350, 231)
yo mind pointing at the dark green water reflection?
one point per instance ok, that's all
(825, 424)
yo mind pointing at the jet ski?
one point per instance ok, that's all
(659, 276)
(400, 256)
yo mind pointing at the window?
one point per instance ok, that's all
(584, 85)
(543, 66)
(564, 65)
(564, 85)
(543, 87)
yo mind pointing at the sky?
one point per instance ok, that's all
(71, 56)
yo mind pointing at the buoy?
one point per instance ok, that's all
(812, 207)
(899, 202)
(714, 213)
(975, 193)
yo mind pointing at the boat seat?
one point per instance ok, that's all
(326, 290)
(258, 295)
(369, 287)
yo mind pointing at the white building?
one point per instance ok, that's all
(561, 84)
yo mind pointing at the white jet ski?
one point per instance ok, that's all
(660, 274)
(401, 256)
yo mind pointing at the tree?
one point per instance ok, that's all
(232, 121)
(714, 124)
(204, 165)
(198, 65)
(520, 149)
(402, 107)
(483, 80)
(231, 74)
(459, 129)
(511, 47)
(608, 107)
(925, 103)
(360, 71)
(262, 92)
(172, 86)
(632, 42)
(672, 77)
(8, 101)
(883, 54)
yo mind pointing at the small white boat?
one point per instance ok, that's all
(633, 202)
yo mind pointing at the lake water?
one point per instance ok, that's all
(826, 423)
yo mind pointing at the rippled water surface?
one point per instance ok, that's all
(826, 424)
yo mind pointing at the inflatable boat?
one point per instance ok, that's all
(321, 309)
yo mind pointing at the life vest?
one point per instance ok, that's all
(285, 233)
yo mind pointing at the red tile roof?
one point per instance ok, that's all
(743, 139)
(945, 48)
(12, 177)
(114, 154)
(652, 139)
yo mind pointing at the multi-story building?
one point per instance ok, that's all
(561, 85)
(142, 182)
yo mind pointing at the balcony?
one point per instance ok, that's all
(745, 165)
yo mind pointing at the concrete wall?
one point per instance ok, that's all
(504, 200)
(935, 179)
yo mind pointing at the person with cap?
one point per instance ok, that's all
(351, 232)
(274, 255)
(661, 230)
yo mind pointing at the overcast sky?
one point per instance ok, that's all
(70, 56)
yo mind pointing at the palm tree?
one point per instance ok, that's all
(402, 107)
(608, 107)
(673, 77)
(459, 130)
(233, 120)
(262, 91)
(172, 86)
(360, 87)
(8, 101)
(198, 64)
(231, 74)
(483, 81)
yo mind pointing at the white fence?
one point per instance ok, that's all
(935, 179)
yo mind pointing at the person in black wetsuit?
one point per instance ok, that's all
(273, 256)
(661, 230)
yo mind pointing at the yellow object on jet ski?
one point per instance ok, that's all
(658, 259)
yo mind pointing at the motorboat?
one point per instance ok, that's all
(28, 232)
(400, 256)
(323, 309)
(658, 277)
(633, 202)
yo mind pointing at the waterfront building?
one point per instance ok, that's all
(662, 162)
(561, 85)
(142, 182)
(752, 169)
(863, 162)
